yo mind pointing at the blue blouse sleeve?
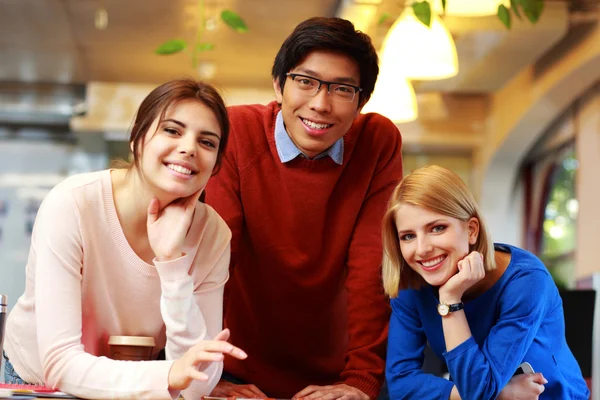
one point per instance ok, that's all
(481, 373)
(406, 344)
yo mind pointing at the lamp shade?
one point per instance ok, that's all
(393, 97)
(469, 8)
(419, 52)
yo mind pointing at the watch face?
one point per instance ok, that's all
(443, 309)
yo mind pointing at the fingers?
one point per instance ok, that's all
(538, 381)
(223, 335)
(257, 392)
(200, 356)
(477, 262)
(182, 372)
(250, 392)
(518, 378)
(222, 389)
(538, 378)
(153, 209)
(305, 392)
(331, 392)
(541, 389)
(324, 395)
(467, 268)
(311, 392)
(219, 346)
(472, 266)
(528, 384)
(197, 375)
(190, 202)
(228, 389)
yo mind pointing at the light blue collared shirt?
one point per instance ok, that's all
(287, 150)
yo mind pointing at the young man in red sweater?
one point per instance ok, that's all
(303, 186)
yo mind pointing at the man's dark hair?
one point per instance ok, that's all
(331, 34)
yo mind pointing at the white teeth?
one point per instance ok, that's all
(179, 169)
(314, 125)
(433, 262)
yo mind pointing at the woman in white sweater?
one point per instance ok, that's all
(132, 251)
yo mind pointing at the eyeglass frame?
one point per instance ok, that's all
(357, 89)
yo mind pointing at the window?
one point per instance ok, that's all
(559, 226)
(551, 211)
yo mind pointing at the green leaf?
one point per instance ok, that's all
(384, 17)
(504, 15)
(422, 11)
(205, 46)
(444, 6)
(171, 47)
(514, 6)
(532, 9)
(234, 21)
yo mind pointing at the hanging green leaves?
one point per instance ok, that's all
(384, 17)
(171, 47)
(234, 21)
(422, 10)
(205, 46)
(514, 6)
(504, 15)
(532, 9)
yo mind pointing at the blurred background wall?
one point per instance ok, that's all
(518, 119)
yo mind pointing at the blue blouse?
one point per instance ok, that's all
(520, 318)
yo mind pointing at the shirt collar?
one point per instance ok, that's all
(287, 150)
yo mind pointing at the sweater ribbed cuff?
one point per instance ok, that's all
(175, 269)
(365, 383)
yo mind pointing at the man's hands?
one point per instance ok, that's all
(199, 357)
(523, 387)
(167, 228)
(330, 392)
(228, 389)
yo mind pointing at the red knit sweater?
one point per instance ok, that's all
(305, 298)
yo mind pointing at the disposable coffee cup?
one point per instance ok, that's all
(131, 348)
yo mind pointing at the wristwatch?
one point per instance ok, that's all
(444, 309)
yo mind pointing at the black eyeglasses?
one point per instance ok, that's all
(311, 86)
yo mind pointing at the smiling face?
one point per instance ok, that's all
(315, 123)
(180, 152)
(432, 244)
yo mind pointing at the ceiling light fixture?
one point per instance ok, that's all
(393, 97)
(415, 51)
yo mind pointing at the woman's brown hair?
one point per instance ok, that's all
(160, 99)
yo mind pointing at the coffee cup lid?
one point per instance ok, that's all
(146, 341)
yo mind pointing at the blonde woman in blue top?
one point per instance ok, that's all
(483, 308)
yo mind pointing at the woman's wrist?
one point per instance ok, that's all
(167, 258)
(449, 298)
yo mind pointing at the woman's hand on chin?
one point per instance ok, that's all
(168, 227)
(470, 271)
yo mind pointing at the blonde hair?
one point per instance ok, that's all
(439, 190)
